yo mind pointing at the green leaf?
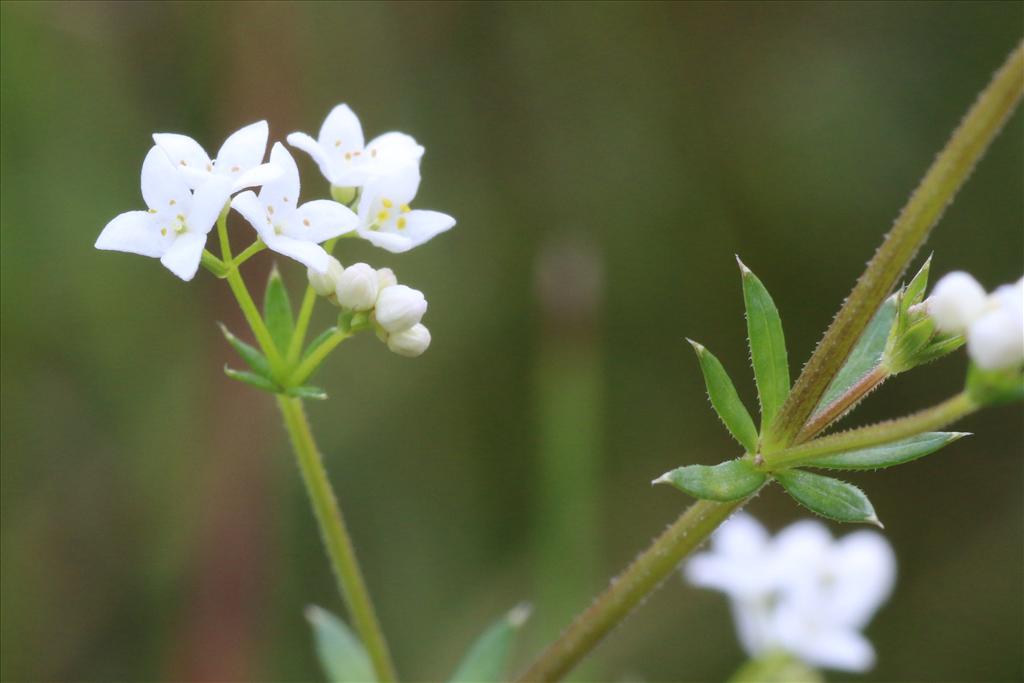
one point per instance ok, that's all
(341, 655)
(828, 497)
(913, 293)
(250, 354)
(319, 340)
(487, 657)
(277, 311)
(726, 481)
(865, 355)
(895, 453)
(252, 379)
(767, 346)
(938, 348)
(725, 400)
(307, 391)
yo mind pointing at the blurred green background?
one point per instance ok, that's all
(605, 163)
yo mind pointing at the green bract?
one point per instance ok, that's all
(341, 655)
(726, 481)
(487, 658)
(277, 311)
(725, 400)
(767, 346)
(828, 497)
(887, 455)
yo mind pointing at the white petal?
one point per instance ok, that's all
(281, 194)
(243, 150)
(207, 203)
(399, 187)
(842, 650)
(184, 256)
(422, 226)
(341, 131)
(864, 570)
(322, 219)
(799, 552)
(956, 302)
(307, 253)
(753, 625)
(163, 188)
(739, 578)
(184, 153)
(253, 211)
(390, 151)
(389, 241)
(740, 536)
(254, 177)
(314, 150)
(136, 232)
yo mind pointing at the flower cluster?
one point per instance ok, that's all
(185, 192)
(801, 592)
(992, 323)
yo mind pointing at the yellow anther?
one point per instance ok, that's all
(348, 156)
(172, 202)
(180, 217)
(305, 221)
(209, 168)
(270, 210)
(337, 143)
(152, 210)
(405, 208)
(387, 203)
(401, 223)
(383, 216)
(163, 231)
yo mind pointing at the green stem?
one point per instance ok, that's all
(927, 420)
(250, 251)
(336, 538)
(305, 314)
(946, 175)
(222, 234)
(843, 403)
(630, 588)
(316, 356)
(252, 316)
(214, 264)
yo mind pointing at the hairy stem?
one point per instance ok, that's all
(628, 589)
(946, 175)
(336, 538)
(842, 404)
(927, 420)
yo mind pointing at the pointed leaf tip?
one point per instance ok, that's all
(744, 271)
(730, 480)
(518, 615)
(699, 348)
(889, 454)
(725, 400)
(828, 497)
(767, 348)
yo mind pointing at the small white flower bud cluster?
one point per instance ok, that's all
(993, 323)
(397, 309)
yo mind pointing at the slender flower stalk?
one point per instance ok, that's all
(930, 419)
(626, 590)
(842, 404)
(336, 538)
(940, 184)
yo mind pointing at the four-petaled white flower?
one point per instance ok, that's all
(287, 228)
(177, 223)
(343, 158)
(802, 591)
(386, 219)
(239, 159)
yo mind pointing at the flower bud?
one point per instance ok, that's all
(325, 283)
(411, 342)
(400, 307)
(386, 278)
(996, 340)
(956, 302)
(1009, 297)
(357, 288)
(343, 195)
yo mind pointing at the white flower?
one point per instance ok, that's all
(802, 591)
(386, 219)
(956, 302)
(324, 283)
(411, 342)
(239, 159)
(399, 308)
(342, 157)
(288, 228)
(357, 288)
(177, 223)
(996, 339)
(386, 278)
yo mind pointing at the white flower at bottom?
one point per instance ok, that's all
(400, 307)
(411, 342)
(287, 228)
(177, 223)
(801, 592)
(956, 301)
(356, 288)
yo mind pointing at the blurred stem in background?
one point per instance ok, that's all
(569, 400)
(940, 184)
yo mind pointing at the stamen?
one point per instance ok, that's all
(387, 203)
(209, 168)
(405, 208)
(152, 210)
(401, 223)
(163, 231)
(172, 202)
(305, 221)
(348, 156)
(183, 163)
(337, 143)
(383, 216)
(235, 169)
(270, 210)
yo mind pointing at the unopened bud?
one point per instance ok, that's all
(343, 195)
(325, 283)
(996, 340)
(411, 342)
(357, 288)
(400, 307)
(956, 302)
(385, 278)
